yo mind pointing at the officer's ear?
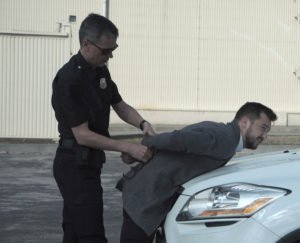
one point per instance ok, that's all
(85, 45)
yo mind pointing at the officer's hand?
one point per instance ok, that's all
(148, 129)
(140, 152)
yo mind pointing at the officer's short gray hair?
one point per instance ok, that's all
(94, 26)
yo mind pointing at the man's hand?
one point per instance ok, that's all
(127, 159)
(139, 152)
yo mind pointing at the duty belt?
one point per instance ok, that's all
(67, 143)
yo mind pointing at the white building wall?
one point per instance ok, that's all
(178, 61)
(36, 39)
(46, 16)
(156, 66)
(207, 56)
(249, 53)
(26, 65)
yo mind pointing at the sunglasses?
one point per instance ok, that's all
(105, 51)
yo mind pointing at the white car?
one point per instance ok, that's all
(254, 199)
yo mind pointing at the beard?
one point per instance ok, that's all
(252, 142)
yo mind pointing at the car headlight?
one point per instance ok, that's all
(230, 200)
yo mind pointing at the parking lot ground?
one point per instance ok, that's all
(31, 205)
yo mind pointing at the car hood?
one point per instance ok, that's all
(274, 169)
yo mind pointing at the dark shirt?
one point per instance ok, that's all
(82, 94)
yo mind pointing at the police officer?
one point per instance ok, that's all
(82, 95)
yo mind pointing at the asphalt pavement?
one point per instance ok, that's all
(31, 205)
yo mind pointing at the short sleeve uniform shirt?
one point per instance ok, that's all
(82, 94)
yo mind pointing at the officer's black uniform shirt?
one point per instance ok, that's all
(82, 94)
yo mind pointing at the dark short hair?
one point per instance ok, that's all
(253, 110)
(94, 26)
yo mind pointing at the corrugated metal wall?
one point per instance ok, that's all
(36, 38)
(248, 52)
(178, 61)
(210, 55)
(158, 56)
(28, 64)
(45, 16)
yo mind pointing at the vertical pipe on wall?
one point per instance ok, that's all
(106, 12)
(298, 31)
(297, 65)
(106, 8)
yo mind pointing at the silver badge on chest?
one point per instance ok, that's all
(102, 83)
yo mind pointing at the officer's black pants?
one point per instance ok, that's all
(81, 190)
(132, 233)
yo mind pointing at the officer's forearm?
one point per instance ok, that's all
(128, 114)
(94, 140)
